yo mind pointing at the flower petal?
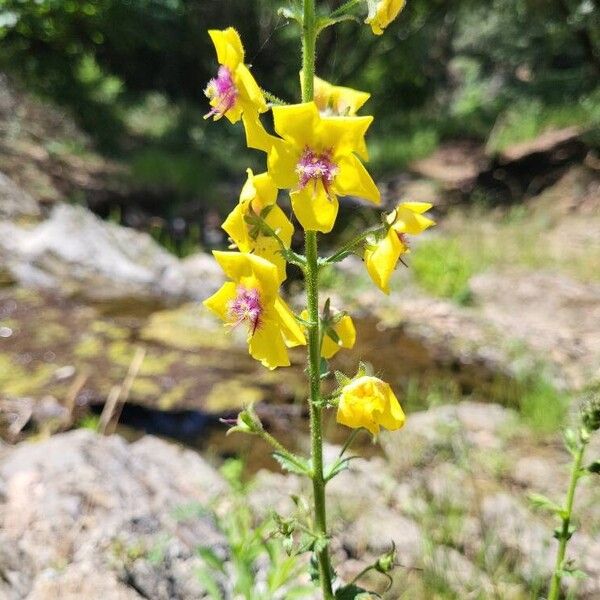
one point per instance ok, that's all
(407, 218)
(228, 45)
(344, 135)
(296, 123)
(266, 344)
(256, 135)
(282, 162)
(314, 209)
(250, 270)
(381, 260)
(392, 417)
(250, 97)
(292, 332)
(219, 302)
(237, 229)
(354, 180)
(347, 337)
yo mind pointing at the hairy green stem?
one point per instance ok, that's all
(309, 35)
(565, 534)
(344, 8)
(349, 247)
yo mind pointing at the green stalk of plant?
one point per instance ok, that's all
(309, 36)
(576, 442)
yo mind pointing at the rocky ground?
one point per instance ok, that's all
(87, 516)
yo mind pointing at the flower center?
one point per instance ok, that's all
(403, 239)
(313, 166)
(246, 307)
(222, 89)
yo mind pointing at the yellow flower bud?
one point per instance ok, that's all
(382, 13)
(369, 402)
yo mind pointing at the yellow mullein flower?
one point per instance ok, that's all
(370, 403)
(316, 159)
(233, 92)
(258, 196)
(252, 298)
(382, 13)
(345, 331)
(336, 100)
(382, 256)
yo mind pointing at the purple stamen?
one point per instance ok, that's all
(316, 167)
(246, 307)
(223, 89)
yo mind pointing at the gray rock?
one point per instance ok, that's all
(79, 254)
(15, 203)
(84, 513)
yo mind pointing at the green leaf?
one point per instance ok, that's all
(558, 533)
(571, 441)
(293, 464)
(542, 502)
(594, 467)
(209, 556)
(210, 584)
(341, 464)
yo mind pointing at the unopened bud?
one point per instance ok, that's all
(386, 561)
(247, 422)
(590, 414)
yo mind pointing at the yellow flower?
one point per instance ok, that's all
(381, 256)
(370, 403)
(345, 331)
(336, 100)
(382, 13)
(252, 299)
(233, 92)
(316, 159)
(258, 196)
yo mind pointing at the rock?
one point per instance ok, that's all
(455, 165)
(554, 141)
(94, 516)
(14, 202)
(202, 275)
(555, 315)
(79, 254)
(375, 531)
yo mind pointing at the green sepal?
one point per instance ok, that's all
(323, 368)
(342, 379)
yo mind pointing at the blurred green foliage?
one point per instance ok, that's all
(133, 72)
(440, 266)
